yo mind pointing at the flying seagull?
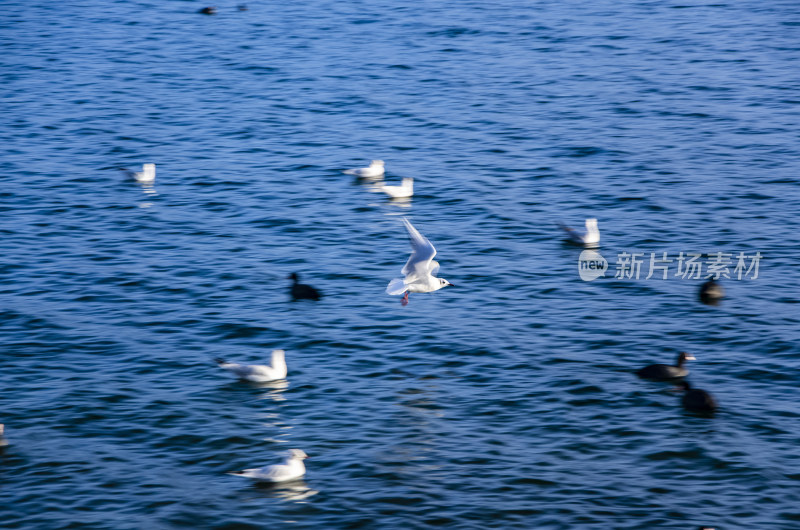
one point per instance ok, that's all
(420, 269)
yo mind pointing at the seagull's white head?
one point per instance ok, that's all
(444, 283)
(591, 225)
(297, 454)
(376, 163)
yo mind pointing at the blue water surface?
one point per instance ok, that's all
(507, 401)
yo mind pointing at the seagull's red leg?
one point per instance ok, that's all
(404, 301)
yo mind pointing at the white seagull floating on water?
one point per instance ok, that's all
(406, 189)
(146, 176)
(258, 373)
(374, 170)
(292, 469)
(590, 239)
(419, 270)
(3, 441)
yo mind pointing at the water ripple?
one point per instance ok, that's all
(509, 401)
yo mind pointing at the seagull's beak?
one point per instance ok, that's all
(450, 284)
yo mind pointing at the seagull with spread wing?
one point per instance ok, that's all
(419, 270)
(145, 177)
(589, 239)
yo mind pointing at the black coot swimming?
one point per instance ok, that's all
(697, 400)
(301, 291)
(665, 372)
(711, 292)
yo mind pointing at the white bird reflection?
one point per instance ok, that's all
(418, 416)
(294, 491)
(402, 202)
(372, 186)
(274, 389)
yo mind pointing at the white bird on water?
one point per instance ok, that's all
(258, 373)
(3, 441)
(419, 270)
(147, 175)
(292, 469)
(406, 189)
(374, 170)
(590, 239)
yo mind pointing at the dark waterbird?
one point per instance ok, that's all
(211, 10)
(696, 400)
(711, 292)
(301, 291)
(665, 372)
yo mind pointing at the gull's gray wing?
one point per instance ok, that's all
(418, 265)
(572, 235)
(275, 473)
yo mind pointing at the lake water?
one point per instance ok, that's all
(507, 401)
